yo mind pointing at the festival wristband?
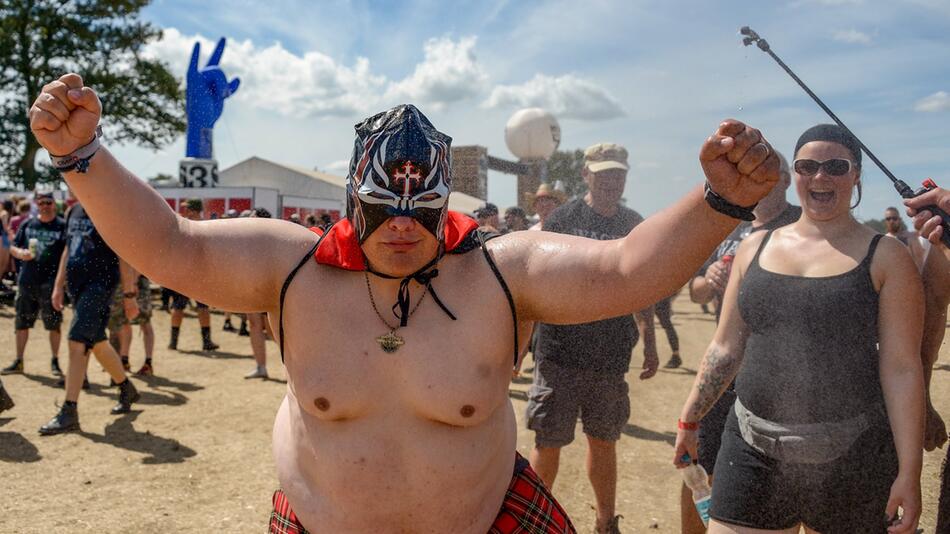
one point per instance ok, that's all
(683, 425)
(725, 207)
(78, 160)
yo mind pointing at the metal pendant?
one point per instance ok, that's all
(390, 342)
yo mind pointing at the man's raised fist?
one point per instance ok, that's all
(65, 115)
(739, 163)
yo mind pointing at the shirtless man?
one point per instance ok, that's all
(401, 423)
(895, 228)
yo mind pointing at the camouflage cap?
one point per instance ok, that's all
(603, 156)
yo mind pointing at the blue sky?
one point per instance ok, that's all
(655, 76)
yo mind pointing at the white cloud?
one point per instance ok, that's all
(450, 72)
(852, 36)
(567, 97)
(314, 84)
(939, 101)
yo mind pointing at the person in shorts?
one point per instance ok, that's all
(194, 210)
(120, 326)
(580, 369)
(708, 286)
(89, 271)
(38, 245)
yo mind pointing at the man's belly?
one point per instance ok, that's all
(394, 471)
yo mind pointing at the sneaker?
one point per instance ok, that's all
(146, 370)
(243, 331)
(14, 368)
(67, 420)
(209, 345)
(257, 373)
(228, 327)
(54, 367)
(5, 401)
(675, 362)
(612, 527)
(127, 395)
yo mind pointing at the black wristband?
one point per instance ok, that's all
(725, 207)
(79, 160)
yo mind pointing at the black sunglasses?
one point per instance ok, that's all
(831, 167)
(44, 202)
(892, 218)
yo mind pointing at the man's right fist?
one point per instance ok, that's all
(65, 115)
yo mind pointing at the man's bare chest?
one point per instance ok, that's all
(452, 371)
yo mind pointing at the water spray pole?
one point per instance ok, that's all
(750, 37)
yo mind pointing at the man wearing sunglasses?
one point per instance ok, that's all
(38, 245)
(895, 228)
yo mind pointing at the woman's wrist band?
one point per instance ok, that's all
(78, 160)
(725, 207)
(683, 425)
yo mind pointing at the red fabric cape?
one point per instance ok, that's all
(340, 247)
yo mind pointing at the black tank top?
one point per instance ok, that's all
(812, 352)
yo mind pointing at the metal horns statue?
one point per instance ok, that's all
(206, 90)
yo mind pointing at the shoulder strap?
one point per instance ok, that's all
(872, 247)
(482, 238)
(765, 240)
(283, 294)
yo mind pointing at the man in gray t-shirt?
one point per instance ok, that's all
(580, 368)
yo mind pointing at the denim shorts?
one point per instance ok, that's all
(92, 304)
(559, 395)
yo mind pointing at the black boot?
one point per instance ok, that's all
(67, 420)
(5, 401)
(206, 343)
(173, 341)
(127, 395)
(243, 330)
(228, 327)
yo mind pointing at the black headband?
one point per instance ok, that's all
(833, 134)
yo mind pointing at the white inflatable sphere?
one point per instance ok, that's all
(532, 133)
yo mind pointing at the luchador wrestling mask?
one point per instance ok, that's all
(401, 166)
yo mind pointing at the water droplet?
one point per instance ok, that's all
(740, 108)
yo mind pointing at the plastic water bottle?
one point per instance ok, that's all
(697, 480)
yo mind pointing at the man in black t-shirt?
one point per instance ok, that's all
(772, 212)
(38, 244)
(89, 270)
(579, 369)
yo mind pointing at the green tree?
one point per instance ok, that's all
(102, 40)
(566, 165)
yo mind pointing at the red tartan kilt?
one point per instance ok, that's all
(529, 508)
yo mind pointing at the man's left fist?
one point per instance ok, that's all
(739, 163)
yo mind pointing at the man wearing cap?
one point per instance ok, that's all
(194, 210)
(581, 368)
(38, 244)
(398, 326)
(544, 202)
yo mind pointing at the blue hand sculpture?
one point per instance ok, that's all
(204, 100)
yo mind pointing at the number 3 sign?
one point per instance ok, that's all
(195, 172)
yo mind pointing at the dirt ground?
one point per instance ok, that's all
(194, 455)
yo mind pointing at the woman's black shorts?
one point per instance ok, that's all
(845, 496)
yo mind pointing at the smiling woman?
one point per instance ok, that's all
(825, 319)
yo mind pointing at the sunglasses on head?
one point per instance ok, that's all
(831, 167)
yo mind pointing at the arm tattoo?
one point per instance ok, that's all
(718, 371)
